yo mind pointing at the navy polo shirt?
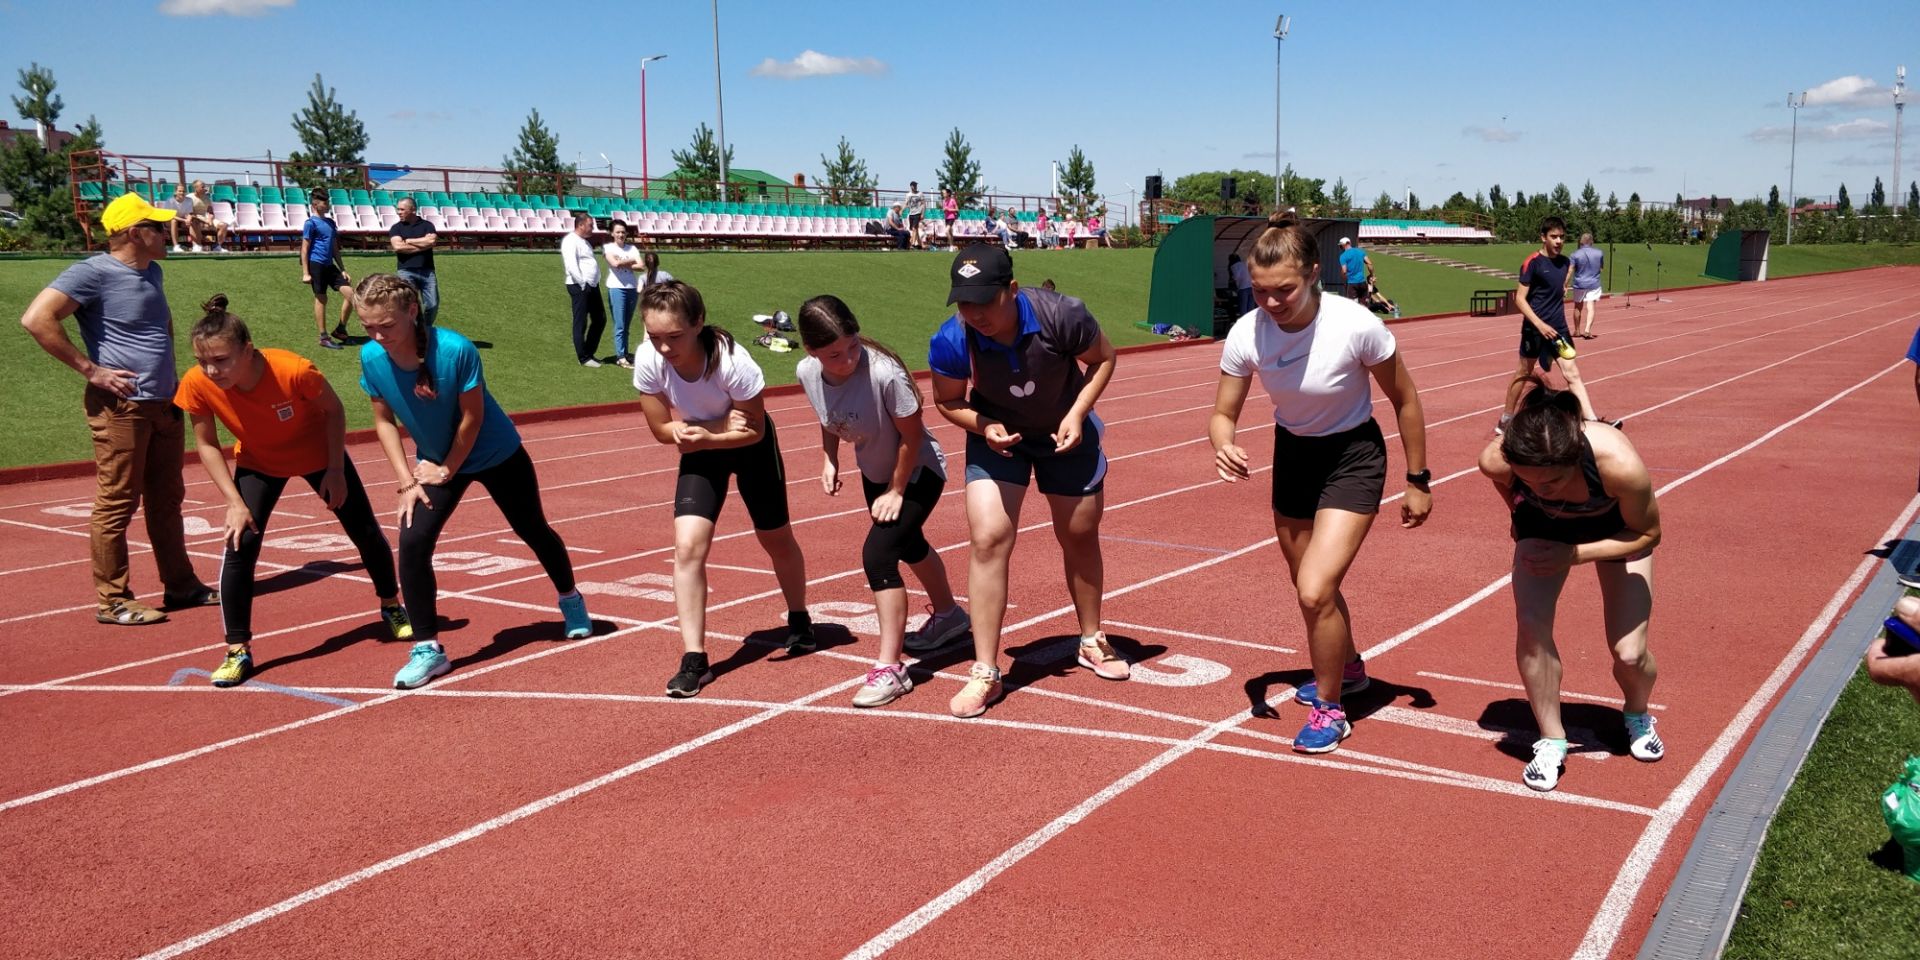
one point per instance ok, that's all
(1031, 384)
(1546, 280)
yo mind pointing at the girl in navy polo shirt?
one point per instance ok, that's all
(429, 379)
(1036, 361)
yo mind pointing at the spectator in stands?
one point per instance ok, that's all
(1242, 280)
(1358, 267)
(583, 288)
(182, 207)
(1896, 668)
(1190, 211)
(623, 289)
(1069, 231)
(896, 227)
(138, 434)
(1587, 262)
(413, 239)
(1097, 227)
(949, 209)
(203, 220)
(1043, 235)
(916, 212)
(321, 269)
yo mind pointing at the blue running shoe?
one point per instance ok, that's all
(573, 607)
(1326, 726)
(1353, 679)
(426, 661)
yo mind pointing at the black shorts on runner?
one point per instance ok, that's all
(702, 487)
(1340, 471)
(325, 276)
(1535, 347)
(1532, 523)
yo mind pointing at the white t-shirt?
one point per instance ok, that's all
(620, 278)
(709, 398)
(576, 254)
(1316, 377)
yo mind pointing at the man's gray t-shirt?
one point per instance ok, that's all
(124, 321)
(1586, 268)
(861, 411)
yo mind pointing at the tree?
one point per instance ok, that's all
(1843, 206)
(847, 182)
(37, 177)
(1413, 201)
(1076, 183)
(1296, 189)
(698, 166)
(333, 143)
(1519, 198)
(1203, 188)
(1773, 202)
(1382, 204)
(1562, 201)
(1480, 201)
(1877, 200)
(1589, 205)
(1913, 198)
(959, 172)
(1497, 199)
(1341, 197)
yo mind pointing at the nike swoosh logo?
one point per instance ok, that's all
(1285, 362)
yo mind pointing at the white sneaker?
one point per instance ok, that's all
(1642, 741)
(198, 249)
(884, 685)
(179, 249)
(1543, 773)
(1500, 428)
(589, 362)
(938, 630)
(219, 249)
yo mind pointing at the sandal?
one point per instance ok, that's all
(128, 613)
(203, 596)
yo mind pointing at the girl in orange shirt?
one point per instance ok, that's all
(286, 422)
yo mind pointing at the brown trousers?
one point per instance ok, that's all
(137, 454)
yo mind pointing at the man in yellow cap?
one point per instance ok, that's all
(121, 309)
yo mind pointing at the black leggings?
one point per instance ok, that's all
(261, 492)
(516, 491)
(701, 489)
(891, 544)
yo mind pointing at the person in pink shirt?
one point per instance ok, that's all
(950, 210)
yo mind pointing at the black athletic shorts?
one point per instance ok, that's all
(1533, 346)
(1340, 471)
(1532, 523)
(913, 220)
(325, 276)
(702, 487)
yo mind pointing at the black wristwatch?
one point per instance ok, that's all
(1421, 479)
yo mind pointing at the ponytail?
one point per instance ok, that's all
(651, 261)
(217, 324)
(1545, 431)
(1285, 240)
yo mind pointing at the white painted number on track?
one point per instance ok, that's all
(477, 563)
(1172, 670)
(645, 586)
(80, 511)
(859, 618)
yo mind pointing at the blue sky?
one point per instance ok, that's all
(1440, 97)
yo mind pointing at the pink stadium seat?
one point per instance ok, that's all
(297, 215)
(387, 220)
(496, 224)
(273, 216)
(514, 225)
(365, 213)
(223, 211)
(470, 212)
(246, 216)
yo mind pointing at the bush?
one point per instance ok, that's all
(1127, 237)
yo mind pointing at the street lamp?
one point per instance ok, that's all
(1279, 39)
(1793, 146)
(644, 185)
(720, 106)
(1899, 107)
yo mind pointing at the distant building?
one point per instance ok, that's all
(59, 138)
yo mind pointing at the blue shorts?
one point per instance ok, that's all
(1080, 472)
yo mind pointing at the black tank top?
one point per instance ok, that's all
(1597, 504)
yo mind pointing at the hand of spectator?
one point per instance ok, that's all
(1901, 670)
(118, 382)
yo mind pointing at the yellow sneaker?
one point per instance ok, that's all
(397, 622)
(234, 669)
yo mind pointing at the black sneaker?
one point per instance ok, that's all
(692, 676)
(800, 633)
(340, 333)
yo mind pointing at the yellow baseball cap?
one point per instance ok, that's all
(129, 209)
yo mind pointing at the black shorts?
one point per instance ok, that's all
(326, 276)
(1533, 346)
(913, 221)
(702, 487)
(1532, 523)
(1340, 471)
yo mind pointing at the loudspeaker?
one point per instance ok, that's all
(1227, 190)
(1153, 187)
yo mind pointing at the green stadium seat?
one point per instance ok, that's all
(383, 198)
(91, 191)
(249, 194)
(144, 189)
(294, 194)
(115, 190)
(362, 198)
(339, 197)
(223, 193)
(270, 195)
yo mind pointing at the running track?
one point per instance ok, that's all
(545, 800)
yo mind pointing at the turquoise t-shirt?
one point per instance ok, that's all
(455, 365)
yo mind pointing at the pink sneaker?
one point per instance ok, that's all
(981, 690)
(1097, 654)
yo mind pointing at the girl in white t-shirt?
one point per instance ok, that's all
(622, 290)
(722, 432)
(1314, 355)
(864, 395)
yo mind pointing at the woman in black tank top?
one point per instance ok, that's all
(1578, 493)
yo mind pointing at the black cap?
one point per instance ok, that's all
(980, 272)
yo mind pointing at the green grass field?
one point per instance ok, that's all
(1824, 886)
(517, 305)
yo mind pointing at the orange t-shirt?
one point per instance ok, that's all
(278, 427)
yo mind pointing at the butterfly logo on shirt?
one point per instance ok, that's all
(841, 424)
(1021, 390)
(284, 411)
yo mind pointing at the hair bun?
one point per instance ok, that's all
(1283, 219)
(215, 304)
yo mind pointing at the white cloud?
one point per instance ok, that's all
(1849, 91)
(1491, 134)
(1264, 155)
(1858, 129)
(214, 8)
(813, 63)
(1638, 171)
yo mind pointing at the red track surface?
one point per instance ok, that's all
(544, 800)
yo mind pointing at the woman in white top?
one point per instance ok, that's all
(722, 432)
(864, 394)
(1314, 355)
(622, 289)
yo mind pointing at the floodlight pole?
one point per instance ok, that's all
(1279, 41)
(644, 185)
(719, 104)
(1793, 146)
(1899, 107)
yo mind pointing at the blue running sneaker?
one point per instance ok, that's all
(1326, 726)
(426, 661)
(1353, 679)
(573, 607)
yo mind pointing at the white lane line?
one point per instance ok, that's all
(1586, 743)
(1564, 694)
(1618, 903)
(1168, 632)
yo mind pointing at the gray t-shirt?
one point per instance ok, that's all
(1586, 268)
(861, 411)
(124, 321)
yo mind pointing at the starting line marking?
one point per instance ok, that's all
(1564, 695)
(180, 678)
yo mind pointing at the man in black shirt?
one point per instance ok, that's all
(413, 240)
